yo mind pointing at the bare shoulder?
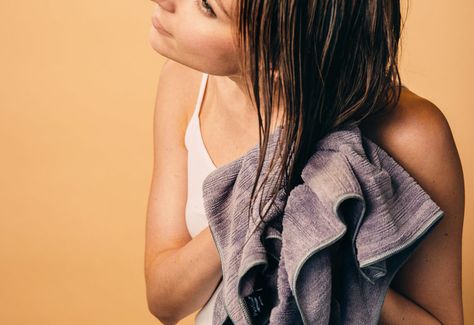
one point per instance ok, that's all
(178, 88)
(418, 136)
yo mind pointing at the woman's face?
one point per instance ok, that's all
(197, 33)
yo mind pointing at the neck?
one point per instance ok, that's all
(233, 87)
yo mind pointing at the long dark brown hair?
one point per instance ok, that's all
(326, 62)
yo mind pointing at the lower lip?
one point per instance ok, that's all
(158, 27)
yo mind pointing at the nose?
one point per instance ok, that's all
(168, 5)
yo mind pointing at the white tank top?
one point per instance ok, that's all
(199, 166)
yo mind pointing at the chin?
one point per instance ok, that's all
(158, 42)
(155, 42)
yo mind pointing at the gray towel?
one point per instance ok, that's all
(327, 256)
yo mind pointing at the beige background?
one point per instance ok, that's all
(77, 85)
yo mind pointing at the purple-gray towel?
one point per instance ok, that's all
(327, 256)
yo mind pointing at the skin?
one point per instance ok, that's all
(426, 290)
(198, 40)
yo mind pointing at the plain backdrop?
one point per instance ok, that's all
(77, 88)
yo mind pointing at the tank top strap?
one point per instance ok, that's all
(197, 108)
(202, 88)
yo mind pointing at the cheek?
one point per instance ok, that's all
(211, 48)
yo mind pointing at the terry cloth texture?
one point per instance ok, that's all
(330, 248)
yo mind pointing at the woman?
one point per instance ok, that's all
(239, 68)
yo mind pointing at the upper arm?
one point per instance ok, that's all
(165, 221)
(431, 277)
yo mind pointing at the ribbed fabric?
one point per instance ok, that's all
(328, 255)
(199, 166)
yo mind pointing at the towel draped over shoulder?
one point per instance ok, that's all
(330, 248)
